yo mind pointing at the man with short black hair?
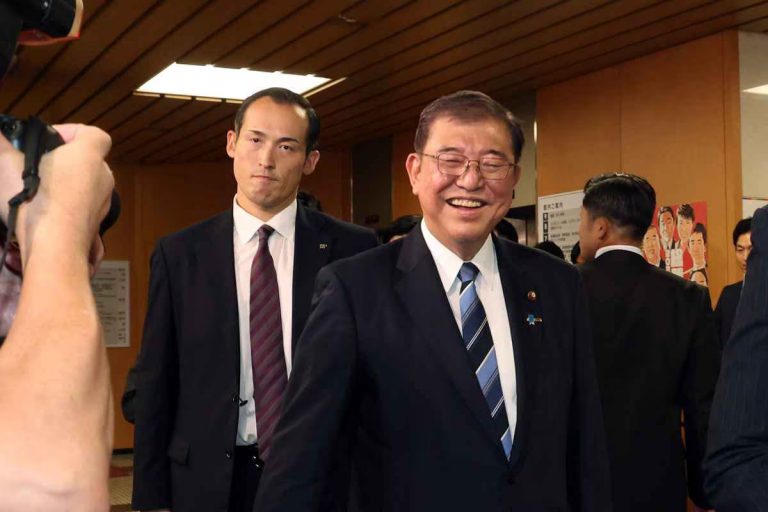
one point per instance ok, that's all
(729, 297)
(228, 299)
(655, 351)
(433, 356)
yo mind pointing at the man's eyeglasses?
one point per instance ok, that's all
(490, 167)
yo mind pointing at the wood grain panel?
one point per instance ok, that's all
(189, 141)
(391, 28)
(186, 33)
(260, 17)
(539, 66)
(438, 33)
(288, 31)
(137, 123)
(127, 108)
(204, 123)
(403, 200)
(541, 38)
(318, 40)
(180, 117)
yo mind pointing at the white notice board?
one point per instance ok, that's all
(111, 286)
(558, 218)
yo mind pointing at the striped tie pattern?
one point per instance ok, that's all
(479, 344)
(267, 355)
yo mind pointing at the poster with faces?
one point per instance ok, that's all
(676, 241)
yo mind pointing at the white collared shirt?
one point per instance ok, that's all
(491, 294)
(609, 248)
(281, 247)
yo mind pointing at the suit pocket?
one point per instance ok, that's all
(178, 450)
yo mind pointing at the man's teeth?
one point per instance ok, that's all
(467, 203)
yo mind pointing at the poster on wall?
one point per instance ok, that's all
(558, 218)
(111, 290)
(677, 240)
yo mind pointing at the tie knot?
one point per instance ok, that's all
(264, 232)
(468, 273)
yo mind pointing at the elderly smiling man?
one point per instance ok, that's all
(458, 365)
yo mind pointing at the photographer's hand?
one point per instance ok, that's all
(55, 376)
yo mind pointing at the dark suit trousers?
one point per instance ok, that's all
(245, 478)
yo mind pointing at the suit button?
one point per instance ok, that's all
(228, 454)
(236, 398)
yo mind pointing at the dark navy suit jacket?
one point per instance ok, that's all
(382, 363)
(737, 463)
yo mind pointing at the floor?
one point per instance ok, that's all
(121, 482)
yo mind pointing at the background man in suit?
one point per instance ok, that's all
(655, 351)
(459, 364)
(227, 303)
(737, 461)
(729, 297)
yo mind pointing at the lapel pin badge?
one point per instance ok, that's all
(532, 319)
(323, 246)
(532, 296)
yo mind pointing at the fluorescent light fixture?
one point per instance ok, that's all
(224, 83)
(763, 89)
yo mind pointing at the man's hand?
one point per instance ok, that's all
(74, 194)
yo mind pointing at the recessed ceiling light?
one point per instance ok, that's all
(208, 82)
(762, 89)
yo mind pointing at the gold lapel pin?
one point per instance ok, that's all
(532, 296)
(323, 246)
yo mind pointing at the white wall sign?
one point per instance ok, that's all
(558, 219)
(111, 289)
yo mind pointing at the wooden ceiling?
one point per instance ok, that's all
(396, 55)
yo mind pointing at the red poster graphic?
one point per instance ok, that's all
(677, 240)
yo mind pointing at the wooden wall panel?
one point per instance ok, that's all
(578, 131)
(331, 183)
(671, 117)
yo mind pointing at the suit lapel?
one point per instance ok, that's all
(312, 249)
(423, 296)
(522, 309)
(216, 255)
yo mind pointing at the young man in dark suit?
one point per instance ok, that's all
(655, 351)
(458, 365)
(228, 299)
(725, 311)
(737, 462)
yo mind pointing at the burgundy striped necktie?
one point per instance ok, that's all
(267, 356)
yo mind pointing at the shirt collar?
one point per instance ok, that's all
(246, 225)
(609, 248)
(448, 263)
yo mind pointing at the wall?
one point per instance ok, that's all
(672, 117)
(158, 200)
(753, 72)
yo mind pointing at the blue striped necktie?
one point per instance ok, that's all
(482, 354)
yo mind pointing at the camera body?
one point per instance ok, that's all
(15, 131)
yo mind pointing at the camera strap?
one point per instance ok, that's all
(33, 151)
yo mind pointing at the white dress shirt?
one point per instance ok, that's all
(491, 294)
(617, 247)
(281, 246)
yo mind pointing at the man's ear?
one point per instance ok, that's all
(413, 166)
(602, 228)
(231, 140)
(310, 162)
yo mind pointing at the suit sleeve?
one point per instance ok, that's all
(589, 487)
(316, 404)
(156, 393)
(698, 387)
(737, 462)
